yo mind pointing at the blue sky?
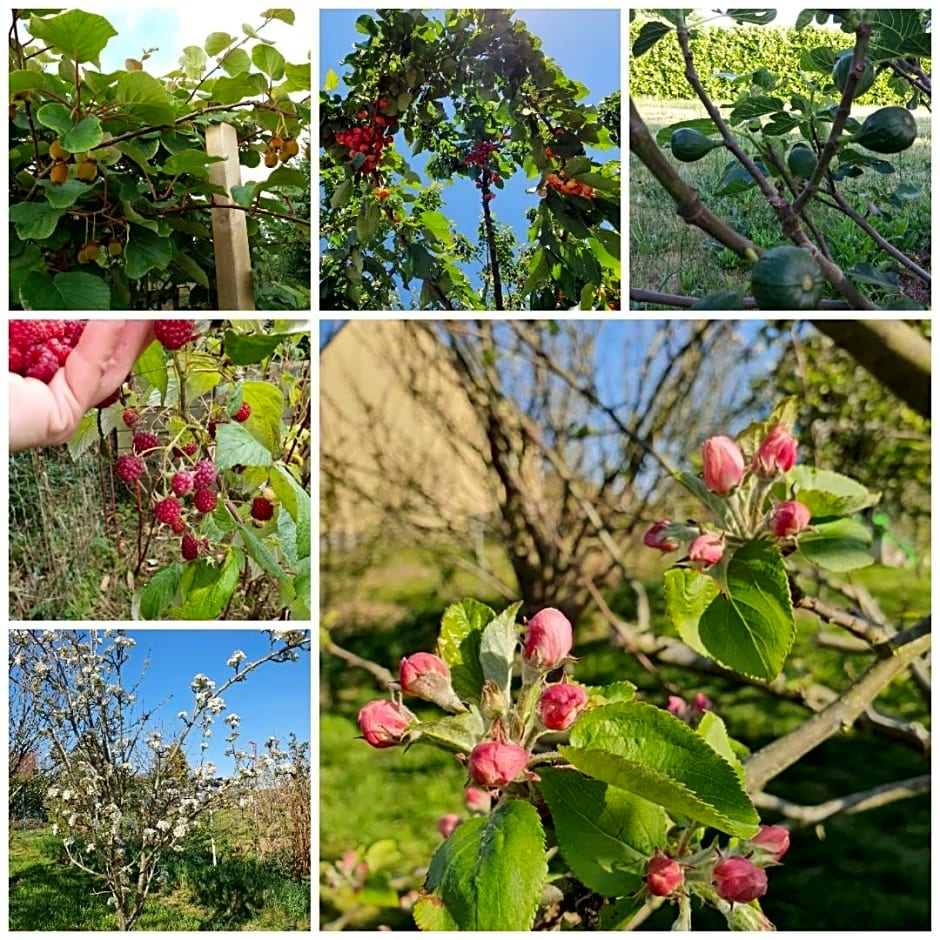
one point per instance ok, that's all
(584, 43)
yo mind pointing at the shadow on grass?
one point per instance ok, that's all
(51, 897)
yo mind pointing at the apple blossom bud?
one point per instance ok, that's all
(477, 800)
(707, 548)
(774, 840)
(790, 517)
(701, 703)
(494, 764)
(663, 875)
(548, 638)
(427, 676)
(677, 706)
(559, 705)
(448, 823)
(777, 454)
(383, 723)
(737, 879)
(657, 537)
(722, 465)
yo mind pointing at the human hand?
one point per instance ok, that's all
(43, 414)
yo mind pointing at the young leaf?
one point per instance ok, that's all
(650, 34)
(841, 545)
(459, 645)
(498, 647)
(827, 493)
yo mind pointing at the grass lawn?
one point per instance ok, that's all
(670, 256)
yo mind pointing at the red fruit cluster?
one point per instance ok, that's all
(480, 152)
(129, 467)
(144, 441)
(261, 509)
(192, 548)
(39, 348)
(243, 412)
(173, 333)
(205, 500)
(567, 186)
(205, 474)
(369, 140)
(168, 510)
(131, 417)
(182, 482)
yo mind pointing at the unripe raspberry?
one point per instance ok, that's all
(559, 705)
(131, 417)
(663, 875)
(144, 441)
(789, 517)
(243, 413)
(707, 548)
(129, 467)
(384, 723)
(205, 500)
(173, 333)
(448, 823)
(722, 465)
(774, 840)
(167, 509)
(548, 638)
(183, 481)
(657, 537)
(477, 800)
(494, 764)
(205, 474)
(261, 509)
(737, 879)
(777, 454)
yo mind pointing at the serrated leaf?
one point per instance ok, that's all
(713, 730)
(753, 106)
(78, 35)
(295, 500)
(70, 290)
(158, 593)
(459, 645)
(331, 82)
(827, 493)
(897, 33)
(236, 445)
(248, 349)
(688, 594)
(34, 220)
(437, 225)
(647, 751)
(650, 34)
(459, 733)
(498, 647)
(489, 873)
(606, 835)
(207, 588)
(841, 545)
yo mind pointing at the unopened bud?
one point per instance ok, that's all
(774, 840)
(737, 879)
(448, 823)
(707, 549)
(789, 517)
(777, 454)
(663, 875)
(494, 764)
(477, 800)
(559, 705)
(657, 536)
(548, 638)
(384, 723)
(722, 465)
(427, 676)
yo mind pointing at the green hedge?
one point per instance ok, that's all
(659, 73)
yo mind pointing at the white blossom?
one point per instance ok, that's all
(163, 825)
(235, 659)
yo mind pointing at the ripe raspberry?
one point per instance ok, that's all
(182, 482)
(16, 360)
(261, 509)
(59, 348)
(205, 500)
(205, 474)
(213, 423)
(189, 547)
(173, 333)
(110, 400)
(144, 441)
(177, 525)
(131, 417)
(129, 467)
(167, 510)
(73, 331)
(243, 412)
(190, 448)
(26, 333)
(41, 363)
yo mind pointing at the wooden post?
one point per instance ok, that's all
(229, 226)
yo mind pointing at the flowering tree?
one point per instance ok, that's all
(645, 805)
(120, 800)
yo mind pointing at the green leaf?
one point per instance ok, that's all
(821, 59)
(79, 36)
(539, 272)
(146, 251)
(217, 42)
(55, 116)
(459, 643)
(898, 33)
(736, 179)
(498, 648)
(605, 834)
(713, 730)
(423, 261)
(237, 88)
(648, 752)
(785, 412)
(34, 220)
(437, 225)
(489, 874)
(257, 550)
(752, 17)
(458, 733)
(194, 162)
(650, 34)
(207, 588)
(247, 349)
(749, 628)
(341, 194)
(268, 60)
(193, 61)
(193, 271)
(71, 290)
(144, 99)
(841, 545)
(688, 594)
(722, 300)
(280, 13)
(827, 493)
(753, 106)
(295, 500)
(235, 445)
(236, 62)
(86, 135)
(158, 593)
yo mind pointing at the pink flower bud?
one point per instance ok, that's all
(737, 879)
(777, 454)
(477, 800)
(663, 875)
(707, 548)
(702, 702)
(789, 518)
(657, 537)
(548, 638)
(722, 465)
(560, 704)
(494, 764)
(383, 723)
(774, 840)
(677, 706)
(448, 823)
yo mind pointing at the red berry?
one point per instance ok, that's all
(243, 412)
(110, 400)
(205, 500)
(131, 417)
(261, 509)
(73, 331)
(26, 333)
(129, 467)
(41, 363)
(173, 333)
(144, 441)
(16, 360)
(182, 482)
(189, 547)
(190, 448)
(178, 526)
(59, 348)
(205, 474)
(167, 510)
